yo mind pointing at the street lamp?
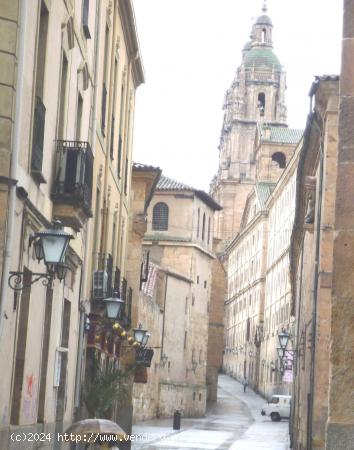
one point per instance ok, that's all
(50, 245)
(139, 334)
(283, 337)
(114, 305)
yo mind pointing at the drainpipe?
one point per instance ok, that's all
(84, 271)
(315, 296)
(14, 161)
(124, 146)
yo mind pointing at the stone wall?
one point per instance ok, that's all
(340, 426)
(216, 327)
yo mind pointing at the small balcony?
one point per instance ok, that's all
(72, 187)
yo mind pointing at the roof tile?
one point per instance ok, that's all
(281, 135)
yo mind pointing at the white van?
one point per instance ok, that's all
(277, 408)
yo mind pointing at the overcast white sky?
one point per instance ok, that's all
(190, 51)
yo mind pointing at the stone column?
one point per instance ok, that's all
(340, 426)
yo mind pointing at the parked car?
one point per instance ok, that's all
(277, 408)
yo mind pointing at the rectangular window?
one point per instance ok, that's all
(97, 226)
(38, 139)
(209, 223)
(85, 18)
(42, 50)
(115, 75)
(121, 122)
(126, 176)
(79, 117)
(63, 95)
(104, 86)
(40, 110)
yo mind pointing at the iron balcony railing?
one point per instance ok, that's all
(73, 174)
(106, 282)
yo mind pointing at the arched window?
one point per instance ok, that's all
(264, 32)
(203, 227)
(261, 103)
(280, 159)
(160, 217)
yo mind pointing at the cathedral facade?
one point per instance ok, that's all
(255, 99)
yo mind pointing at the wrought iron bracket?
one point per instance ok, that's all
(15, 280)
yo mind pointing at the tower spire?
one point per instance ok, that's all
(264, 7)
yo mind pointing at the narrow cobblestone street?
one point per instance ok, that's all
(233, 423)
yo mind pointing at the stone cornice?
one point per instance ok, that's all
(126, 13)
(177, 243)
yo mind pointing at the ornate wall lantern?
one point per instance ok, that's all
(139, 334)
(283, 337)
(51, 246)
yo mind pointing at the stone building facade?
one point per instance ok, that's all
(216, 323)
(258, 305)
(277, 300)
(179, 239)
(340, 422)
(246, 285)
(311, 265)
(252, 185)
(66, 145)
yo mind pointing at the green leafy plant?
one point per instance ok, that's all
(106, 386)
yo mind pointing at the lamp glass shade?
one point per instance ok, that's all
(113, 305)
(283, 339)
(54, 242)
(145, 339)
(139, 334)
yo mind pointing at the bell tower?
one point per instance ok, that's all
(255, 97)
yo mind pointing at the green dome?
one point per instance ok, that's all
(261, 57)
(264, 19)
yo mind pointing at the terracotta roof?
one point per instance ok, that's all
(169, 184)
(318, 79)
(281, 135)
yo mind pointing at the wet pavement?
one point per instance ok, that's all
(233, 423)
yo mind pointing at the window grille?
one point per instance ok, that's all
(160, 217)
